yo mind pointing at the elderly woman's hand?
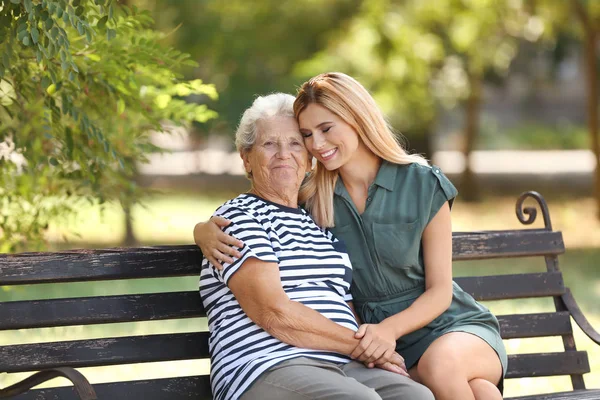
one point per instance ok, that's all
(216, 245)
(396, 365)
(378, 344)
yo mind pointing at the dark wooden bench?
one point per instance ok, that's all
(62, 357)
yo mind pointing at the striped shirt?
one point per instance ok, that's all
(314, 268)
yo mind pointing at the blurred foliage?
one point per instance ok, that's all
(249, 48)
(82, 84)
(413, 55)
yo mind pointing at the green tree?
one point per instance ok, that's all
(249, 48)
(580, 19)
(82, 84)
(416, 55)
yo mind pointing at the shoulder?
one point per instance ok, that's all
(242, 207)
(425, 178)
(416, 174)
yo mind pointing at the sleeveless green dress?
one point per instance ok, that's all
(384, 245)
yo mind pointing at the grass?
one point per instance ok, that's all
(170, 219)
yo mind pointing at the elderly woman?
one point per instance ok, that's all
(280, 318)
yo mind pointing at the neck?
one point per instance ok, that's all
(285, 197)
(360, 172)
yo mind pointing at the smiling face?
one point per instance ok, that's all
(278, 159)
(328, 137)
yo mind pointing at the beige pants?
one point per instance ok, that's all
(305, 378)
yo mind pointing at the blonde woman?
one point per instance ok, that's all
(393, 212)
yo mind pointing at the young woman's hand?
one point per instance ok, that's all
(377, 345)
(216, 245)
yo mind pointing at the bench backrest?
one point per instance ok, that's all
(171, 261)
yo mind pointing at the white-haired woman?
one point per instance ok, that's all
(280, 321)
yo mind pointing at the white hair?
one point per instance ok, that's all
(264, 107)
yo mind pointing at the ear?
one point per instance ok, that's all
(309, 163)
(245, 155)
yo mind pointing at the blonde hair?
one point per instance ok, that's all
(349, 100)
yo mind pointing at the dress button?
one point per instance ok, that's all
(369, 198)
(437, 171)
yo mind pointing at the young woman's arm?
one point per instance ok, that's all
(216, 245)
(437, 254)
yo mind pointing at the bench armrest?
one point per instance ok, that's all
(578, 316)
(82, 386)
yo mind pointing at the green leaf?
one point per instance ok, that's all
(26, 40)
(76, 3)
(74, 66)
(49, 23)
(5, 60)
(80, 28)
(22, 34)
(120, 106)
(38, 56)
(69, 142)
(64, 66)
(102, 22)
(28, 6)
(53, 161)
(111, 34)
(35, 34)
(51, 89)
(46, 82)
(15, 1)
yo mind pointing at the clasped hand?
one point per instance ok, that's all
(377, 348)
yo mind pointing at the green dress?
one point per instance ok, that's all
(384, 244)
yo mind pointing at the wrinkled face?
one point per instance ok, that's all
(278, 159)
(328, 138)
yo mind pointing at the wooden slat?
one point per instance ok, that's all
(184, 388)
(108, 351)
(165, 261)
(590, 394)
(547, 364)
(517, 286)
(84, 265)
(534, 325)
(502, 244)
(99, 310)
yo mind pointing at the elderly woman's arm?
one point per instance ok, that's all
(257, 287)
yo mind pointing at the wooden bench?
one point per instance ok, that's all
(61, 357)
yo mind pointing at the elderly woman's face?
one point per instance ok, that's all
(278, 158)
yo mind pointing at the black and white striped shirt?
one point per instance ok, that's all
(314, 268)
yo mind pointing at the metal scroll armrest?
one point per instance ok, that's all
(578, 316)
(82, 386)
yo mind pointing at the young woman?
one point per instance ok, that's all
(393, 212)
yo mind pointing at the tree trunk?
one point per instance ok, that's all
(591, 64)
(469, 187)
(591, 42)
(129, 240)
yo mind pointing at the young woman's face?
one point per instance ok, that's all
(327, 137)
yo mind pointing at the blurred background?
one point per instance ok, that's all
(501, 94)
